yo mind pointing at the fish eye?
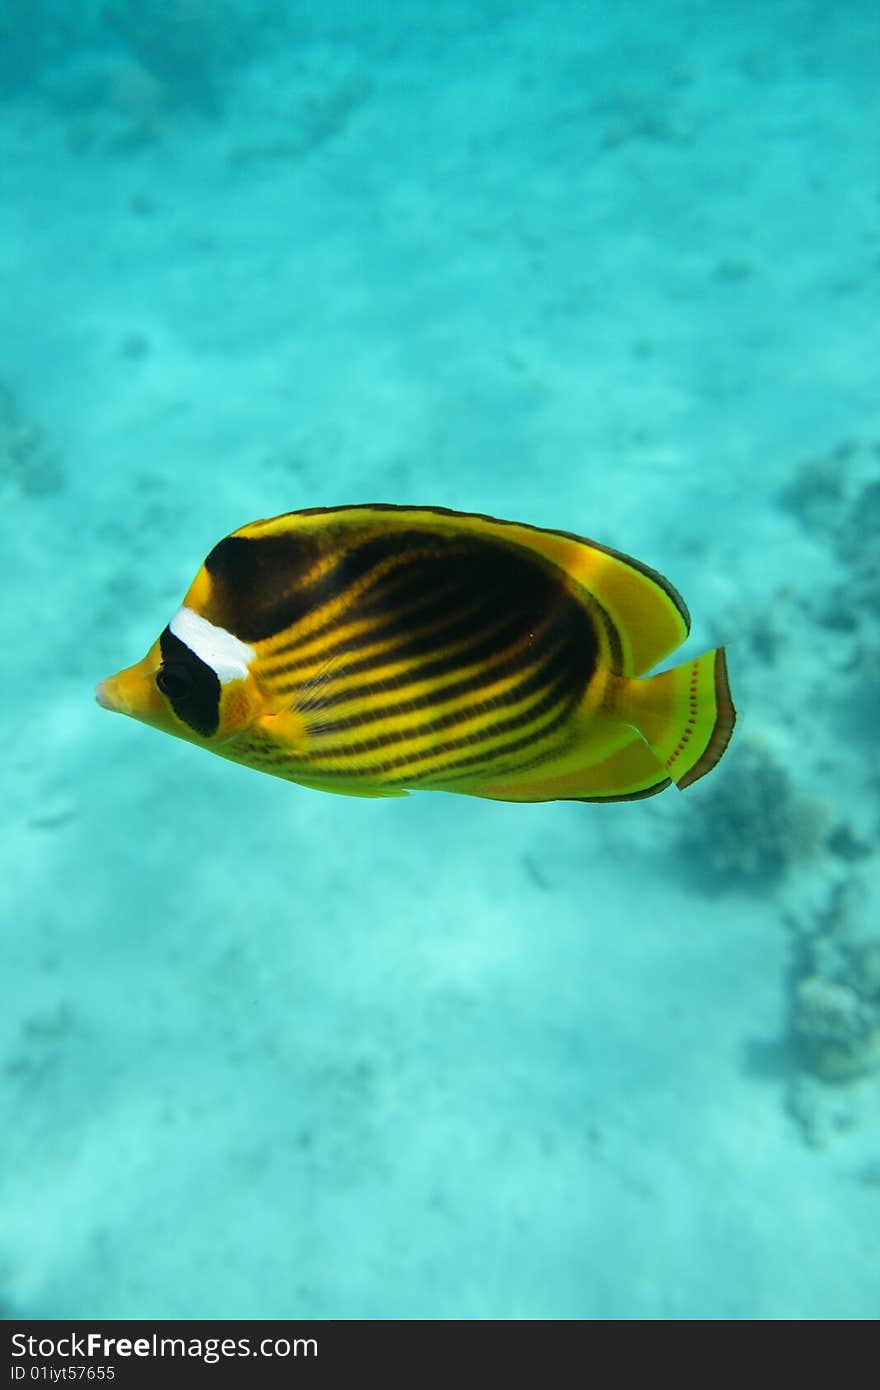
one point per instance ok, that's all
(173, 681)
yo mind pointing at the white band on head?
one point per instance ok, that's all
(221, 650)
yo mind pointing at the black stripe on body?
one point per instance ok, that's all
(465, 667)
(511, 619)
(554, 669)
(516, 756)
(507, 646)
(260, 586)
(511, 755)
(461, 609)
(376, 599)
(265, 584)
(427, 654)
(389, 627)
(490, 729)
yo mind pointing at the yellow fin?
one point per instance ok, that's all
(628, 773)
(348, 789)
(685, 715)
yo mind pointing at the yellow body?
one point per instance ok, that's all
(373, 650)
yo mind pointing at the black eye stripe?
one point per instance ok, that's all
(173, 681)
(189, 685)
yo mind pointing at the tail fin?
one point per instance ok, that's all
(685, 715)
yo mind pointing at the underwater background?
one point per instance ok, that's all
(608, 268)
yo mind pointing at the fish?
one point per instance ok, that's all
(374, 650)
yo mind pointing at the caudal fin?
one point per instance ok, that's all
(685, 715)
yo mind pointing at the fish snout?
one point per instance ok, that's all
(134, 692)
(108, 697)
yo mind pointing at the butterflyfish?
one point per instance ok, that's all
(376, 650)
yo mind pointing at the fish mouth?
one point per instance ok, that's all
(108, 696)
(133, 692)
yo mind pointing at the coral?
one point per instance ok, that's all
(817, 494)
(755, 827)
(834, 1005)
(837, 496)
(838, 1029)
(857, 534)
(821, 1112)
(834, 998)
(24, 458)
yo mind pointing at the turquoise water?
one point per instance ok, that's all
(612, 269)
